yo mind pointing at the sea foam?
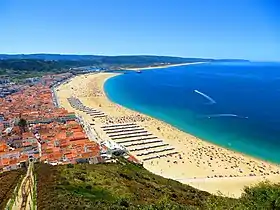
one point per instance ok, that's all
(211, 100)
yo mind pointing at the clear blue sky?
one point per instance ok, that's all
(247, 29)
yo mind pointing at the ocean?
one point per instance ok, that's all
(234, 105)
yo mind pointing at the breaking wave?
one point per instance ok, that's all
(211, 100)
(221, 115)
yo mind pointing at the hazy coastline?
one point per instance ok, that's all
(166, 66)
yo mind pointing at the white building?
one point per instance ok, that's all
(113, 147)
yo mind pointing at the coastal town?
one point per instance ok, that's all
(33, 127)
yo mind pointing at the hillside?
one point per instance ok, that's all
(110, 186)
(25, 66)
(20, 66)
(104, 59)
(128, 186)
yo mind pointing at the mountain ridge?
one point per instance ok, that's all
(49, 56)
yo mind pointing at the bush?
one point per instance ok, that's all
(70, 165)
(261, 196)
(125, 186)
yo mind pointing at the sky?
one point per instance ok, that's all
(248, 29)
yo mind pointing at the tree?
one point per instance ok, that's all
(22, 125)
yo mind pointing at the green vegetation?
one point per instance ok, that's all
(9, 183)
(26, 66)
(34, 195)
(22, 125)
(35, 65)
(111, 186)
(264, 196)
(128, 186)
(131, 59)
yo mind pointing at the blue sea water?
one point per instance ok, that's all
(234, 105)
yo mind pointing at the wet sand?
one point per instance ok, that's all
(201, 164)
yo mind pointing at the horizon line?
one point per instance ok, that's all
(177, 56)
(88, 54)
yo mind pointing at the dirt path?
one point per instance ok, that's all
(23, 200)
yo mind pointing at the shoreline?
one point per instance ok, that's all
(200, 164)
(165, 66)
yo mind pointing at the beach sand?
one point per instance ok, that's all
(166, 66)
(198, 163)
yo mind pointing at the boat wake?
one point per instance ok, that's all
(222, 115)
(211, 100)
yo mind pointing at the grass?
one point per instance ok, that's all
(34, 196)
(125, 185)
(122, 185)
(9, 184)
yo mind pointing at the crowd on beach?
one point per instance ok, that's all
(218, 163)
(125, 119)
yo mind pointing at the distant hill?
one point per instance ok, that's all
(122, 58)
(50, 57)
(106, 59)
(22, 66)
(113, 61)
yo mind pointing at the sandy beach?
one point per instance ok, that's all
(166, 66)
(198, 163)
